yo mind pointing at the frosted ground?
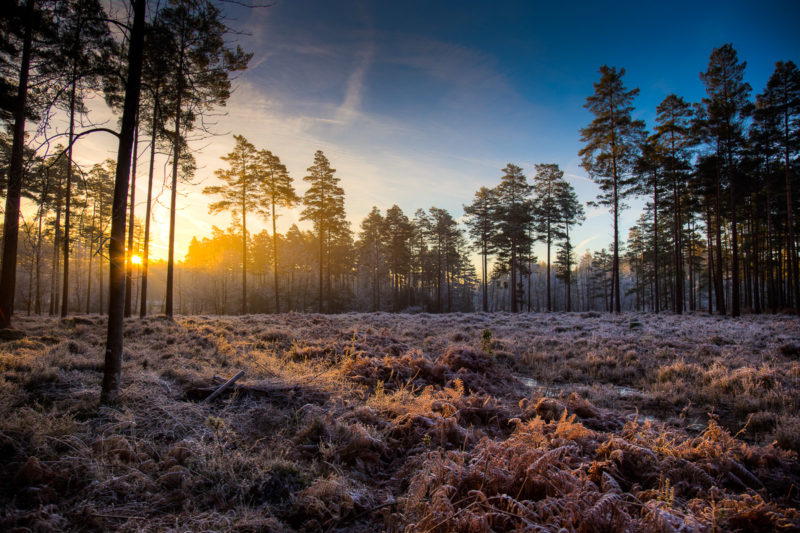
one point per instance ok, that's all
(365, 422)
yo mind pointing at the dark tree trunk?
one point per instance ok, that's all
(794, 276)
(719, 292)
(8, 277)
(770, 292)
(321, 244)
(275, 259)
(549, 303)
(56, 259)
(146, 251)
(484, 267)
(244, 251)
(129, 256)
(677, 236)
(657, 306)
(116, 306)
(514, 277)
(38, 304)
(176, 153)
(735, 304)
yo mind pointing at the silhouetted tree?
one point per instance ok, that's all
(239, 194)
(112, 369)
(571, 213)
(513, 218)
(612, 140)
(324, 207)
(370, 243)
(726, 107)
(200, 65)
(481, 226)
(782, 98)
(548, 184)
(275, 191)
(674, 130)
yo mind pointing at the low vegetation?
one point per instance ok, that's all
(366, 422)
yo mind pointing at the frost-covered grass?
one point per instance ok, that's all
(405, 422)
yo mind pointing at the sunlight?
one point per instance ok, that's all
(136, 259)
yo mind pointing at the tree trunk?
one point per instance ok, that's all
(735, 306)
(176, 152)
(771, 301)
(514, 277)
(569, 269)
(484, 266)
(116, 306)
(794, 276)
(657, 305)
(244, 249)
(89, 274)
(38, 304)
(321, 240)
(146, 251)
(129, 256)
(275, 258)
(677, 236)
(8, 277)
(549, 302)
(54, 288)
(719, 292)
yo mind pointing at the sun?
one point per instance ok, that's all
(136, 259)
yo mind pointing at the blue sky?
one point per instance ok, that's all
(421, 103)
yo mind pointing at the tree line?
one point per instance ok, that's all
(718, 230)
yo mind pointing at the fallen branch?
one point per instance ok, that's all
(222, 388)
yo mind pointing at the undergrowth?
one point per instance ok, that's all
(403, 423)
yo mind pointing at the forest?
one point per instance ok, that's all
(416, 371)
(716, 232)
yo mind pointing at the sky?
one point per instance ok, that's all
(419, 104)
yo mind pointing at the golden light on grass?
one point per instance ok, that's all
(136, 259)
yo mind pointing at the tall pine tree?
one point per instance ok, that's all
(481, 226)
(612, 140)
(513, 218)
(324, 207)
(275, 191)
(726, 107)
(238, 195)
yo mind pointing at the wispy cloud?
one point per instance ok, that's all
(582, 245)
(577, 177)
(355, 85)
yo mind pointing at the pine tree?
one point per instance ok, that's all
(611, 141)
(86, 48)
(571, 213)
(397, 234)
(239, 194)
(512, 220)
(674, 130)
(726, 107)
(156, 74)
(8, 274)
(548, 185)
(764, 140)
(481, 226)
(782, 96)
(200, 65)
(100, 194)
(372, 253)
(324, 207)
(275, 191)
(442, 233)
(112, 369)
